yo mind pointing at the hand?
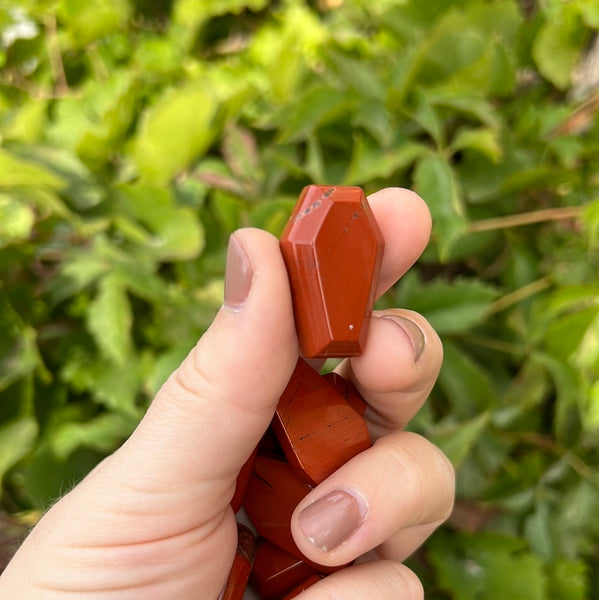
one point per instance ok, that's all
(153, 519)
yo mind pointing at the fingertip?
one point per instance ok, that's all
(405, 223)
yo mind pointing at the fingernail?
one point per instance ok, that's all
(333, 519)
(411, 331)
(238, 276)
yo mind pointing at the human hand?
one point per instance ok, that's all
(153, 519)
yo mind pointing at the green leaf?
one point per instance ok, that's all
(15, 171)
(177, 233)
(568, 580)
(16, 440)
(369, 160)
(314, 108)
(589, 11)
(103, 433)
(18, 350)
(557, 47)
(272, 215)
(176, 130)
(451, 307)
(16, 220)
(88, 21)
(485, 141)
(488, 566)
(465, 382)
(426, 116)
(115, 387)
(591, 223)
(456, 440)
(567, 418)
(109, 319)
(435, 182)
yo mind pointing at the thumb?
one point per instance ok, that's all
(208, 417)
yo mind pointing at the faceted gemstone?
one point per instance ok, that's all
(302, 586)
(242, 482)
(333, 250)
(348, 391)
(317, 428)
(275, 571)
(273, 492)
(242, 564)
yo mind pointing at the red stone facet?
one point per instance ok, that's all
(273, 492)
(317, 428)
(348, 391)
(242, 564)
(301, 587)
(242, 482)
(275, 571)
(333, 250)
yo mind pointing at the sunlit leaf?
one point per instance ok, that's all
(177, 129)
(16, 440)
(109, 319)
(436, 183)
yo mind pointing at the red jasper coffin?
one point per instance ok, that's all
(333, 250)
(301, 587)
(242, 564)
(275, 571)
(317, 428)
(273, 492)
(348, 391)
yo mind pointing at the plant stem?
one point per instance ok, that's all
(518, 295)
(537, 216)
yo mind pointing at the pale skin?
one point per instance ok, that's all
(153, 520)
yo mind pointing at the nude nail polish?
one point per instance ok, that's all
(333, 519)
(238, 276)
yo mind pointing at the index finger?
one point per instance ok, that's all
(405, 223)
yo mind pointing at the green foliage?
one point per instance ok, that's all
(136, 136)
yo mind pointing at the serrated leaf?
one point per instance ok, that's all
(115, 387)
(426, 116)
(109, 319)
(103, 433)
(435, 182)
(451, 307)
(16, 440)
(316, 107)
(465, 382)
(370, 160)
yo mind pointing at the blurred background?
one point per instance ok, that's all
(136, 135)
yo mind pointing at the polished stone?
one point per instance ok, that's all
(317, 428)
(333, 250)
(276, 572)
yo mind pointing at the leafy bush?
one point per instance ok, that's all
(137, 135)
